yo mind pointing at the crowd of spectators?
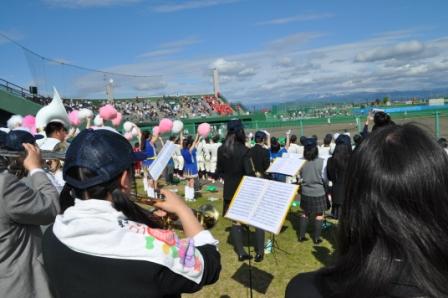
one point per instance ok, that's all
(153, 109)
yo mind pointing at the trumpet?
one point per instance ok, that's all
(206, 214)
(46, 155)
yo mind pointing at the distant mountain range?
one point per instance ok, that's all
(360, 97)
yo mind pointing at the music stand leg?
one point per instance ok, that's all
(275, 247)
(250, 264)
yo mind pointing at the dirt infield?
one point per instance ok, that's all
(427, 123)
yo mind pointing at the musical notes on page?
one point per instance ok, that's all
(262, 203)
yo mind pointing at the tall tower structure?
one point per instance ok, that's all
(109, 91)
(216, 88)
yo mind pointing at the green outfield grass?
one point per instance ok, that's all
(272, 275)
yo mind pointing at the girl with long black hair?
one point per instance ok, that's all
(336, 169)
(393, 236)
(107, 246)
(233, 163)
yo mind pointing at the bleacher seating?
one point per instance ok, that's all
(153, 109)
(150, 109)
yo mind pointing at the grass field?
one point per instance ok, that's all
(270, 277)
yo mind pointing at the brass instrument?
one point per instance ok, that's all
(206, 214)
(46, 155)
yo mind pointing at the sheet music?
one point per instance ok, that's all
(292, 155)
(159, 164)
(286, 165)
(262, 203)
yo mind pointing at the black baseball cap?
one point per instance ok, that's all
(343, 139)
(260, 135)
(3, 137)
(105, 153)
(16, 138)
(234, 125)
(310, 142)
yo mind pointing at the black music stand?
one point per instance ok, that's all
(275, 246)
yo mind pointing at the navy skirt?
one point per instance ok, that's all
(313, 204)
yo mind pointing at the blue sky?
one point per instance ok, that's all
(264, 50)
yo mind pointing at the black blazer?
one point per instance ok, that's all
(261, 158)
(233, 167)
(336, 175)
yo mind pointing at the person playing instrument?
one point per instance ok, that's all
(56, 130)
(23, 209)
(260, 160)
(53, 167)
(107, 246)
(233, 164)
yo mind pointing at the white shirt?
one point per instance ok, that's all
(294, 148)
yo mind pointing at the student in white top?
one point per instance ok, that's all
(324, 150)
(292, 147)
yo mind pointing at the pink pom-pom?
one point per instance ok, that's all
(73, 117)
(204, 129)
(108, 112)
(117, 120)
(155, 130)
(165, 125)
(128, 136)
(29, 121)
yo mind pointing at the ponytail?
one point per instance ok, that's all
(134, 212)
(120, 200)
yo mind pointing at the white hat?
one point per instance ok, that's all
(47, 143)
(14, 122)
(54, 112)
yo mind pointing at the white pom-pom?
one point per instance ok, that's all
(84, 114)
(98, 121)
(177, 126)
(135, 130)
(14, 122)
(127, 126)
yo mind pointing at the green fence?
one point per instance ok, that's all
(436, 122)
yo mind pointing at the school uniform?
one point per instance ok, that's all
(200, 159)
(191, 164)
(214, 157)
(93, 250)
(22, 210)
(150, 151)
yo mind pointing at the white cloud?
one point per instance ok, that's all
(150, 86)
(191, 4)
(268, 75)
(88, 3)
(160, 52)
(403, 49)
(285, 62)
(294, 40)
(170, 48)
(297, 18)
(232, 69)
